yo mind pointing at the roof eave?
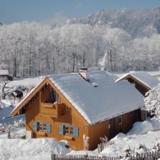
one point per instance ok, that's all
(124, 77)
(116, 115)
(21, 104)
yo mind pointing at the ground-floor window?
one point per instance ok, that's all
(41, 126)
(69, 130)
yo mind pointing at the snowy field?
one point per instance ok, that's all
(35, 149)
(142, 137)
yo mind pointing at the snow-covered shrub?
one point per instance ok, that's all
(152, 101)
(157, 146)
(128, 152)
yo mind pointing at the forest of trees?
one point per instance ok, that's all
(32, 49)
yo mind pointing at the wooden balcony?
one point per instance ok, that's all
(53, 110)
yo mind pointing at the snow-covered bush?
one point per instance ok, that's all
(157, 146)
(152, 101)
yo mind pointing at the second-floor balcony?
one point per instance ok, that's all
(52, 109)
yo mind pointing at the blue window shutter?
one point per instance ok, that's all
(35, 126)
(48, 128)
(62, 129)
(75, 132)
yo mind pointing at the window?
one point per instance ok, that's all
(69, 130)
(53, 96)
(39, 126)
(48, 94)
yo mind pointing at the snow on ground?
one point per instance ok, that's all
(152, 124)
(6, 106)
(35, 149)
(5, 103)
(24, 85)
(136, 143)
(5, 117)
(143, 136)
(16, 132)
(27, 82)
(25, 149)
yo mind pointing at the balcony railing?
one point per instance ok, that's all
(52, 109)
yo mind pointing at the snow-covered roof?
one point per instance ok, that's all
(143, 77)
(100, 98)
(4, 72)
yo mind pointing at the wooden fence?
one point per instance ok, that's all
(155, 155)
(146, 156)
(85, 157)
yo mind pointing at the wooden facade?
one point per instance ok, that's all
(50, 114)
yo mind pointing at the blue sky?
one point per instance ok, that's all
(41, 10)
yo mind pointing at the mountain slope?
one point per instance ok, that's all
(135, 22)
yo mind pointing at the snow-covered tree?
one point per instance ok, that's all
(152, 101)
(32, 49)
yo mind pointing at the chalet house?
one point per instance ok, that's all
(4, 75)
(141, 80)
(80, 108)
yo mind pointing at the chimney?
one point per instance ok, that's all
(83, 73)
